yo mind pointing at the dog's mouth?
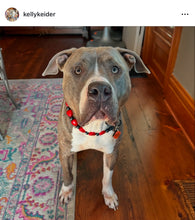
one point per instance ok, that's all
(100, 114)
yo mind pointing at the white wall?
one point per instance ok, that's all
(133, 38)
(184, 67)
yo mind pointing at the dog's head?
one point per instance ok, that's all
(96, 81)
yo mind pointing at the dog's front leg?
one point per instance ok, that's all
(110, 197)
(66, 192)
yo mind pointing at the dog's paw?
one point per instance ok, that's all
(111, 200)
(66, 193)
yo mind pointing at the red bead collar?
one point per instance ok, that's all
(81, 129)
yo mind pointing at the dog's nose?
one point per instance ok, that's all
(99, 91)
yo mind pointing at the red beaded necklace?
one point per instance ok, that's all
(81, 129)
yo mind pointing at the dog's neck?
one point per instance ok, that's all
(101, 124)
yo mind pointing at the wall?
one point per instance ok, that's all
(133, 38)
(184, 67)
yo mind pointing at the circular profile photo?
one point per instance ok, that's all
(12, 14)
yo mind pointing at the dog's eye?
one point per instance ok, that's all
(115, 69)
(78, 70)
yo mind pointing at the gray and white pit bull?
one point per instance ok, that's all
(96, 84)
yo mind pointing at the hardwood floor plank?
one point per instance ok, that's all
(28, 56)
(161, 149)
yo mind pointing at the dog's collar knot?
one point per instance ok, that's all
(74, 122)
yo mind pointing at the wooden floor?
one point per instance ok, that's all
(28, 56)
(147, 165)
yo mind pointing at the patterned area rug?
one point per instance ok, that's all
(30, 171)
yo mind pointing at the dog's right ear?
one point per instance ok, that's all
(57, 62)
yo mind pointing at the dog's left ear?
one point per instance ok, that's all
(133, 60)
(57, 62)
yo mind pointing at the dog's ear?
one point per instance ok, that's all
(133, 60)
(57, 62)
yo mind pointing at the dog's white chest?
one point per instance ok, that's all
(104, 143)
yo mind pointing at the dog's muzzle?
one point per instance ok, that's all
(100, 103)
(100, 99)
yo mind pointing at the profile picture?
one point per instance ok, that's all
(12, 14)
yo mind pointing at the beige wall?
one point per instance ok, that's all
(184, 67)
(133, 37)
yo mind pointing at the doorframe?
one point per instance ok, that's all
(172, 57)
(177, 99)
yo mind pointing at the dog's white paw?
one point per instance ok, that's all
(66, 193)
(111, 200)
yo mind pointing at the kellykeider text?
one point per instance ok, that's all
(38, 14)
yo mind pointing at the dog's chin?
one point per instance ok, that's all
(99, 115)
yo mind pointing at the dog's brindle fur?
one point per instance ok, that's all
(96, 84)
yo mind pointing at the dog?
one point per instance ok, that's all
(96, 84)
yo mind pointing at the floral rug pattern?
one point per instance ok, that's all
(30, 171)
